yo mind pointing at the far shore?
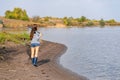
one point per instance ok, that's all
(56, 23)
(17, 63)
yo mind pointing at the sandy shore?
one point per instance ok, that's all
(17, 65)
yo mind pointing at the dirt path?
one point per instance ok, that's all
(18, 66)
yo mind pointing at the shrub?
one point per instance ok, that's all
(90, 23)
(1, 22)
(111, 21)
(102, 22)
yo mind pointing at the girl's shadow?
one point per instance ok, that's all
(44, 61)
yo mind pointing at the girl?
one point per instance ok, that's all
(35, 44)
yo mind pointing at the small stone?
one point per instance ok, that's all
(12, 70)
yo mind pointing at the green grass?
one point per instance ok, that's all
(19, 38)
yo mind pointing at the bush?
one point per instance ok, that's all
(36, 19)
(102, 22)
(1, 22)
(82, 19)
(90, 23)
(111, 21)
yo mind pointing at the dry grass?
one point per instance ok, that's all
(15, 23)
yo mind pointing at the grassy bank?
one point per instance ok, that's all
(7, 38)
(18, 38)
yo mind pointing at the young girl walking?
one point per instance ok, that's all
(35, 44)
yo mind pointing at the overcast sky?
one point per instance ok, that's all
(92, 9)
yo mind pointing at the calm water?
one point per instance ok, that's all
(92, 52)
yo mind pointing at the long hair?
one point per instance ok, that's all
(34, 29)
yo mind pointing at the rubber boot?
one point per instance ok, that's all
(35, 61)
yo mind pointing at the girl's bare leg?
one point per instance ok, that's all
(36, 51)
(32, 52)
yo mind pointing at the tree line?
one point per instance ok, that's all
(20, 14)
(70, 21)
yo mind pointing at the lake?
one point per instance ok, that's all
(92, 52)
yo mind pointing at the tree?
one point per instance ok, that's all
(17, 13)
(46, 18)
(67, 21)
(111, 21)
(24, 15)
(82, 19)
(1, 22)
(90, 23)
(9, 14)
(36, 19)
(102, 22)
(70, 21)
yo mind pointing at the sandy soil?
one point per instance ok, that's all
(17, 64)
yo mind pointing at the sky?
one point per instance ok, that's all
(92, 9)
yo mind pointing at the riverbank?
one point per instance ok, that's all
(17, 66)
